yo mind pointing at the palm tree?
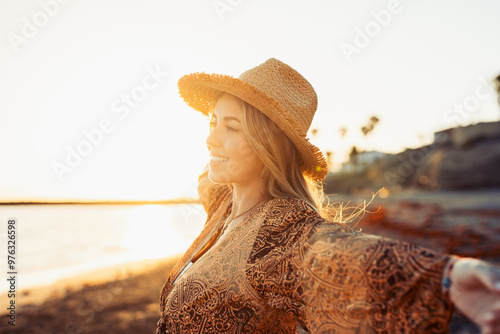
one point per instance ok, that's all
(353, 155)
(371, 124)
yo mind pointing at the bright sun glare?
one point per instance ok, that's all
(157, 148)
(156, 231)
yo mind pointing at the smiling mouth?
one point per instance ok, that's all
(218, 159)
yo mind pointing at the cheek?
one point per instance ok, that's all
(250, 160)
(245, 150)
(234, 168)
(242, 156)
(244, 153)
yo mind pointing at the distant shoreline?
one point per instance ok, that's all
(174, 201)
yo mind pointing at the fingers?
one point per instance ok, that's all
(491, 320)
(473, 274)
(206, 168)
(489, 275)
(495, 273)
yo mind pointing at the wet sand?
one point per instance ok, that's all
(119, 299)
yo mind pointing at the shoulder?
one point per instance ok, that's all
(284, 207)
(285, 229)
(288, 212)
(293, 220)
(296, 212)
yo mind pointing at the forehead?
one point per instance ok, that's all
(228, 105)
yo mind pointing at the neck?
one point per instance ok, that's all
(244, 197)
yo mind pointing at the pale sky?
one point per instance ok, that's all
(99, 78)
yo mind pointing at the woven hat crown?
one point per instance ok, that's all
(287, 86)
(276, 90)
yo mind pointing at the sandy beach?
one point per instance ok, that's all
(125, 298)
(112, 300)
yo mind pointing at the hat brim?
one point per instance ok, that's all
(199, 91)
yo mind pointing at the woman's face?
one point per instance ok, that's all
(232, 159)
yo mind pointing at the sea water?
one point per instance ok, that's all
(60, 241)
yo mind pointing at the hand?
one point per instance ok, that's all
(203, 187)
(206, 168)
(475, 291)
(204, 171)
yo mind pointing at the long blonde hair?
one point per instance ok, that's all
(282, 173)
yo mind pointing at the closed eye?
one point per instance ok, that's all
(227, 120)
(230, 128)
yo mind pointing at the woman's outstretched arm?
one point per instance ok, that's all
(391, 285)
(354, 282)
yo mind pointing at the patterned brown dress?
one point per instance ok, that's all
(285, 265)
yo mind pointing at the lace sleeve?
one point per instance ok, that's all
(351, 282)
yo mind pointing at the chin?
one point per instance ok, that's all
(221, 177)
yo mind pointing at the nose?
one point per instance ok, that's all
(213, 138)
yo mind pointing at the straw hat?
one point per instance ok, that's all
(274, 88)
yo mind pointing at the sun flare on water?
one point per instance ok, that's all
(156, 231)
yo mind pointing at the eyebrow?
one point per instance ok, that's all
(228, 118)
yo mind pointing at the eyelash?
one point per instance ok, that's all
(213, 124)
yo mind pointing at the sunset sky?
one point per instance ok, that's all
(99, 78)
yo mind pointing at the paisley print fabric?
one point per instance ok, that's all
(285, 265)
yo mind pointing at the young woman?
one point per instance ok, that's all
(271, 257)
